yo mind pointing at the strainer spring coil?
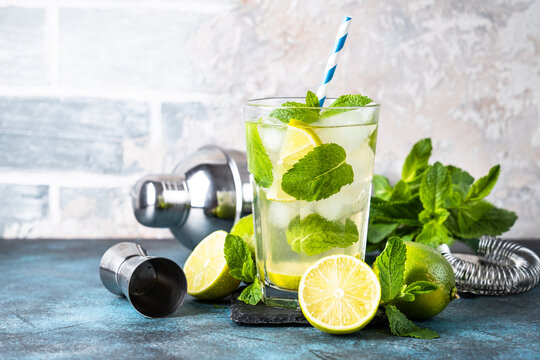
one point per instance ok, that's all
(500, 268)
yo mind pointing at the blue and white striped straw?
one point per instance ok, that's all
(332, 61)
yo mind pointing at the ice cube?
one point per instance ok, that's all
(348, 137)
(271, 137)
(350, 200)
(281, 213)
(361, 161)
(358, 195)
(362, 116)
(333, 207)
(307, 208)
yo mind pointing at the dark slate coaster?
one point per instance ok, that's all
(261, 314)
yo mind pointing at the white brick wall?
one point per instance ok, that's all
(94, 94)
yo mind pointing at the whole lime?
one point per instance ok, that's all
(425, 264)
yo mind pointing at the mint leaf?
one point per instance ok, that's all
(401, 191)
(351, 101)
(480, 218)
(252, 294)
(377, 232)
(408, 292)
(408, 237)
(390, 265)
(311, 99)
(435, 186)
(417, 160)
(314, 234)
(439, 216)
(453, 199)
(295, 110)
(461, 179)
(381, 187)
(320, 174)
(420, 287)
(400, 212)
(346, 101)
(482, 187)
(405, 297)
(433, 234)
(401, 326)
(238, 257)
(259, 164)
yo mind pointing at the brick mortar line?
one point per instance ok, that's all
(68, 179)
(134, 5)
(137, 95)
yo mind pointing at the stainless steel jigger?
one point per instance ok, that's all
(155, 286)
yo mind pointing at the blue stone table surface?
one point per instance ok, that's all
(53, 306)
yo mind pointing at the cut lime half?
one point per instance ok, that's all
(206, 269)
(339, 294)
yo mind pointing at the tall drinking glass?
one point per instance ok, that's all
(311, 171)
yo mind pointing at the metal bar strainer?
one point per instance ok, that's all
(499, 268)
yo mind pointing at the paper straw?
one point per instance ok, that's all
(332, 61)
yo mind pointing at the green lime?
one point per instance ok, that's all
(244, 229)
(206, 269)
(425, 264)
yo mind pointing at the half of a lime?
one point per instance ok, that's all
(206, 269)
(339, 294)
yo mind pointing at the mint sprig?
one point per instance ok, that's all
(259, 164)
(401, 326)
(320, 174)
(417, 160)
(483, 186)
(252, 294)
(307, 113)
(434, 188)
(434, 204)
(390, 267)
(345, 101)
(242, 267)
(314, 234)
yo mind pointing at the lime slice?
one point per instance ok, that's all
(288, 282)
(206, 269)
(339, 294)
(286, 275)
(299, 140)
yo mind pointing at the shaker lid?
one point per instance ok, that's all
(161, 200)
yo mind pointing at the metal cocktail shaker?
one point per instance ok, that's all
(207, 191)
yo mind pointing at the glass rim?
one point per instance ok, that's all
(256, 103)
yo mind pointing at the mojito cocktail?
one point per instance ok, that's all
(311, 170)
